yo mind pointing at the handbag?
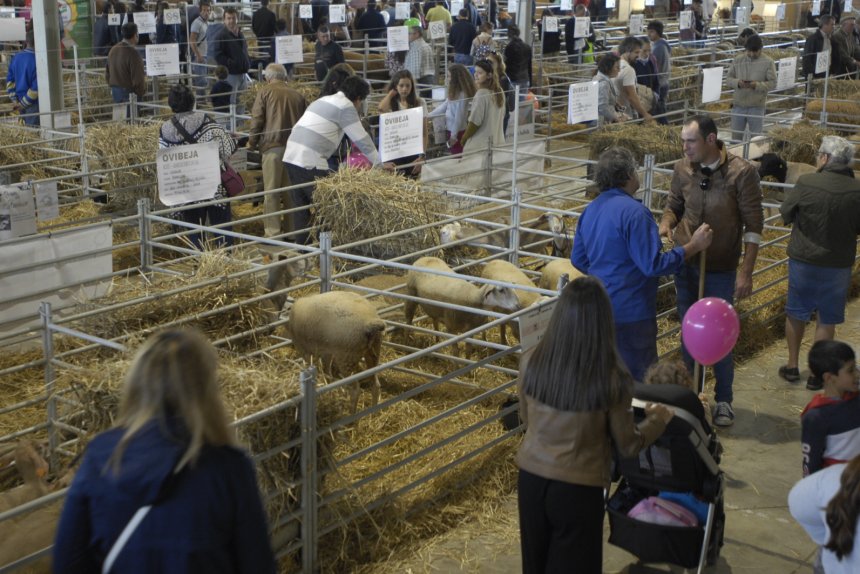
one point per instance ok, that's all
(231, 180)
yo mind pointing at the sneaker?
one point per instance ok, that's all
(813, 383)
(724, 416)
(790, 374)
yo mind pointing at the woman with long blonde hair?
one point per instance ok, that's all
(486, 118)
(167, 489)
(461, 90)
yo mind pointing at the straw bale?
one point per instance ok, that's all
(683, 83)
(777, 54)
(837, 89)
(799, 142)
(560, 126)
(356, 205)
(839, 112)
(13, 135)
(94, 92)
(662, 141)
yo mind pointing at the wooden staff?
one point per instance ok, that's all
(698, 368)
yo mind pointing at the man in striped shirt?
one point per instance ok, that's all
(315, 138)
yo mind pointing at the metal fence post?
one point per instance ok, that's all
(514, 238)
(50, 380)
(310, 526)
(325, 261)
(488, 172)
(365, 58)
(233, 118)
(649, 180)
(145, 232)
(132, 102)
(549, 115)
(746, 137)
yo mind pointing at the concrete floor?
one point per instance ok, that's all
(761, 463)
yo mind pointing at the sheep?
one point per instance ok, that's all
(281, 276)
(32, 469)
(457, 292)
(508, 272)
(550, 222)
(340, 328)
(772, 165)
(562, 241)
(388, 283)
(552, 272)
(22, 536)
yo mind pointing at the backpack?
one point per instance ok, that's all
(482, 50)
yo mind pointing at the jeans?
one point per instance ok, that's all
(464, 59)
(302, 197)
(30, 114)
(637, 345)
(717, 284)
(240, 84)
(119, 95)
(746, 116)
(201, 78)
(524, 88)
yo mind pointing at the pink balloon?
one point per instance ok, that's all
(358, 160)
(710, 330)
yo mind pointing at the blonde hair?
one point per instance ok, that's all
(497, 62)
(173, 378)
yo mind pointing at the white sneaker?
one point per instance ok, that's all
(724, 416)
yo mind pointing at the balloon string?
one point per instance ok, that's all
(698, 368)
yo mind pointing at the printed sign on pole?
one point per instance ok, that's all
(712, 84)
(145, 22)
(401, 10)
(62, 120)
(787, 73)
(188, 173)
(114, 19)
(398, 39)
(686, 20)
(551, 24)
(816, 7)
(337, 13)
(306, 11)
(172, 16)
(437, 30)
(17, 211)
(566, 5)
(456, 6)
(780, 12)
(13, 30)
(162, 59)
(610, 4)
(582, 102)
(513, 7)
(848, 7)
(742, 17)
(637, 24)
(288, 49)
(822, 62)
(401, 134)
(581, 26)
(47, 202)
(649, 3)
(534, 323)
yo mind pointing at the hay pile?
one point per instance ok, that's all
(362, 204)
(838, 112)
(115, 145)
(837, 89)
(662, 141)
(23, 147)
(684, 84)
(560, 126)
(800, 142)
(94, 93)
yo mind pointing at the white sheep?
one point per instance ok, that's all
(457, 292)
(549, 222)
(552, 272)
(281, 276)
(340, 328)
(499, 270)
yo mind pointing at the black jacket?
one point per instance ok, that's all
(814, 44)
(264, 23)
(232, 51)
(518, 61)
(461, 35)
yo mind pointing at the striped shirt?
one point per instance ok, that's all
(320, 130)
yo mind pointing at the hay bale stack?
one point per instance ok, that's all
(362, 204)
(33, 150)
(838, 112)
(560, 126)
(116, 145)
(94, 92)
(684, 83)
(799, 142)
(662, 141)
(837, 89)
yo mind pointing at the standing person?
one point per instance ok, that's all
(483, 43)
(575, 400)
(662, 52)
(752, 75)
(199, 47)
(617, 242)
(276, 110)
(486, 118)
(315, 138)
(473, 13)
(846, 54)
(124, 71)
(625, 83)
(101, 32)
(327, 54)
(711, 185)
(819, 41)
(827, 505)
(231, 51)
(824, 211)
(372, 23)
(518, 60)
(22, 86)
(188, 127)
(172, 456)
(419, 60)
(505, 83)
(437, 12)
(164, 33)
(402, 95)
(550, 41)
(461, 37)
(577, 47)
(219, 95)
(608, 109)
(264, 24)
(461, 90)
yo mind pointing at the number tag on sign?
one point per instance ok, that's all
(306, 11)
(822, 62)
(551, 24)
(172, 16)
(437, 30)
(114, 19)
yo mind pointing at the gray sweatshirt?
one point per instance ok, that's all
(761, 71)
(662, 52)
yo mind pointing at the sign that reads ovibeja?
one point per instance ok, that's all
(162, 59)
(787, 73)
(188, 173)
(582, 102)
(288, 49)
(401, 134)
(398, 39)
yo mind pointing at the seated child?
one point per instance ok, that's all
(221, 91)
(675, 373)
(830, 423)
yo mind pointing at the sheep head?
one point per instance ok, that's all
(450, 232)
(497, 297)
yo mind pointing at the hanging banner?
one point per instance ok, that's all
(77, 20)
(787, 73)
(401, 134)
(712, 84)
(582, 102)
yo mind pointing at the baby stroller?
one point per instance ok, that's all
(684, 460)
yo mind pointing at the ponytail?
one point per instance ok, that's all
(843, 510)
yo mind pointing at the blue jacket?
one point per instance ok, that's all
(617, 241)
(207, 518)
(21, 84)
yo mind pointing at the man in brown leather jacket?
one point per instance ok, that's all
(715, 187)
(276, 110)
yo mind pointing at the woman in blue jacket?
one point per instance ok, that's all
(172, 450)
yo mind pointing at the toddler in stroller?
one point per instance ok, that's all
(682, 466)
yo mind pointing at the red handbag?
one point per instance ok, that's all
(231, 180)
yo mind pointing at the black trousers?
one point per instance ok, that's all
(561, 526)
(302, 197)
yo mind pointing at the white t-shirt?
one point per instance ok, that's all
(626, 77)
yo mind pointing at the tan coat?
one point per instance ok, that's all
(276, 110)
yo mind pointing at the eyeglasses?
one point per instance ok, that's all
(705, 184)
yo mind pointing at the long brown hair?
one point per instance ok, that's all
(461, 84)
(492, 82)
(411, 99)
(843, 510)
(173, 378)
(576, 366)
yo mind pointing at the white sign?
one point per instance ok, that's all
(533, 324)
(398, 39)
(512, 6)
(787, 73)
(712, 84)
(822, 62)
(306, 11)
(742, 17)
(780, 12)
(172, 16)
(47, 202)
(402, 10)
(686, 21)
(62, 120)
(439, 94)
(188, 173)
(337, 13)
(688, 2)
(401, 134)
(288, 49)
(145, 22)
(437, 30)
(582, 102)
(17, 212)
(566, 5)
(551, 24)
(816, 7)
(120, 112)
(581, 26)
(162, 59)
(610, 4)
(637, 24)
(847, 7)
(114, 19)
(649, 2)
(13, 30)
(525, 123)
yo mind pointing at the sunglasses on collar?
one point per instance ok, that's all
(705, 184)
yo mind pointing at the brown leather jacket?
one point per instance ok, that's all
(276, 110)
(576, 447)
(731, 206)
